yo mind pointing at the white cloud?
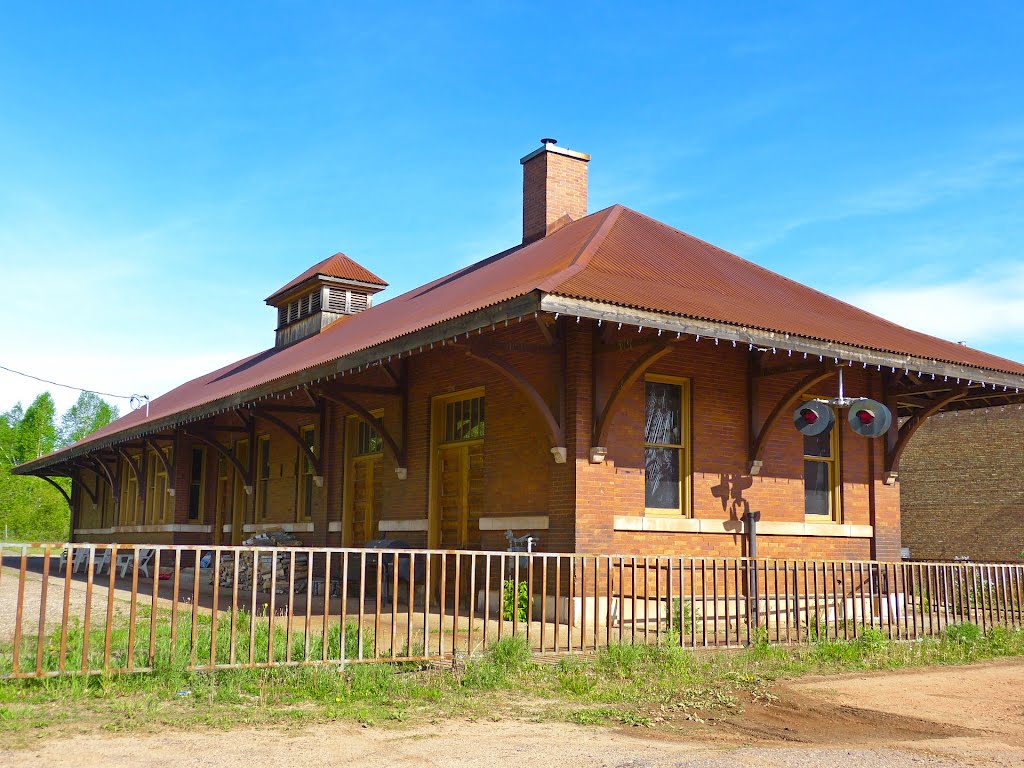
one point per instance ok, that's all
(982, 309)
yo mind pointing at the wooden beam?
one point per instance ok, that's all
(555, 432)
(63, 493)
(910, 426)
(246, 475)
(785, 404)
(634, 372)
(296, 438)
(397, 453)
(163, 460)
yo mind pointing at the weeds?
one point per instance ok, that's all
(640, 685)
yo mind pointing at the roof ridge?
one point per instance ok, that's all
(581, 259)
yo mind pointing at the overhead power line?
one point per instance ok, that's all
(66, 386)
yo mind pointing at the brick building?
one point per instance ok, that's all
(962, 487)
(610, 384)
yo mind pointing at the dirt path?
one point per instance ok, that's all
(967, 716)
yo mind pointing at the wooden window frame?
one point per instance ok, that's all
(685, 447)
(263, 483)
(305, 486)
(834, 463)
(200, 512)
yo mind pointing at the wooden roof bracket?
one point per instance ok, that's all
(759, 436)
(63, 493)
(634, 372)
(137, 470)
(311, 457)
(556, 434)
(368, 418)
(909, 427)
(168, 466)
(246, 475)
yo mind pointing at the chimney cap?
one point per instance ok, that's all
(550, 145)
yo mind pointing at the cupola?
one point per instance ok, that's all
(325, 292)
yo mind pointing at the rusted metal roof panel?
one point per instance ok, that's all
(339, 265)
(616, 256)
(644, 264)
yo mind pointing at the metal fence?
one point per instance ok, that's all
(103, 609)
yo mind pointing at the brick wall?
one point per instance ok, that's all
(580, 498)
(962, 489)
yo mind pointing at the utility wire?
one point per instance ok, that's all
(66, 386)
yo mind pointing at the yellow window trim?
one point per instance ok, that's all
(685, 506)
(835, 498)
(437, 432)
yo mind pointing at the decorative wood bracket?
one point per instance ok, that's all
(556, 434)
(85, 488)
(311, 457)
(140, 481)
(227, 454)
(910, 426)
(115, 486)
(634, 372)
(168, 466)
(63, 493)
(397, 453)
(786, 403)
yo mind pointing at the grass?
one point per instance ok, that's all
(622, 685)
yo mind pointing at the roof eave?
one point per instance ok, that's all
(773, 340)
(438, 333)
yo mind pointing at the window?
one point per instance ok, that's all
(195, 483)
(129, 496)
(821, 481)
(306, 484)
(156, 489)
(368, 439)
(464, 420)
(263, 477)
(666, 437)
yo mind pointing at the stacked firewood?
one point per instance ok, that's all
(271, 566)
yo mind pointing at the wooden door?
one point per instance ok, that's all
(366, 494)
(459, 495)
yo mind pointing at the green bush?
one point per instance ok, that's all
(515, 600)
(964, 634)
(872, 640)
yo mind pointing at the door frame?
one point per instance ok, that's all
(351, 432)
(437, 429)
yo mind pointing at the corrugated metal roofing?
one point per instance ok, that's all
(339, 265)
(616, 256)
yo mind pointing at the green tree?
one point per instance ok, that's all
(89, 413)
(37, 432)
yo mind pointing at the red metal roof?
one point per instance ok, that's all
(616, 256)
(339, 265)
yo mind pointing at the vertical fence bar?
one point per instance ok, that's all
(455, 601)
(255, 553)
(214, 596)
(558, 602)
(487, 600)
(325, 634)
(543, 601)
(289, 614)
(571, 562)
(194, 636)
(472, 602)
(410, 613)
(175, 592)
(426, 604)
(41, 634)
(362, 605)
(233, 641)
(443, 590)
(343, 611)
(109, 629)
(395, 561)
(622, 596)
(378, 578)
(657, 600)
(669, 596)
(271, 655)
(693, 605)
(65, 617)
(502, 578)
(133, 610)
(597, 600)
(308, 624)
(20, 608)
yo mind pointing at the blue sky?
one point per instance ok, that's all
(167, 166)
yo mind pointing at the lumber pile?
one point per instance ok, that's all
(273, 569)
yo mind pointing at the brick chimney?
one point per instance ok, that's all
(554, 186)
